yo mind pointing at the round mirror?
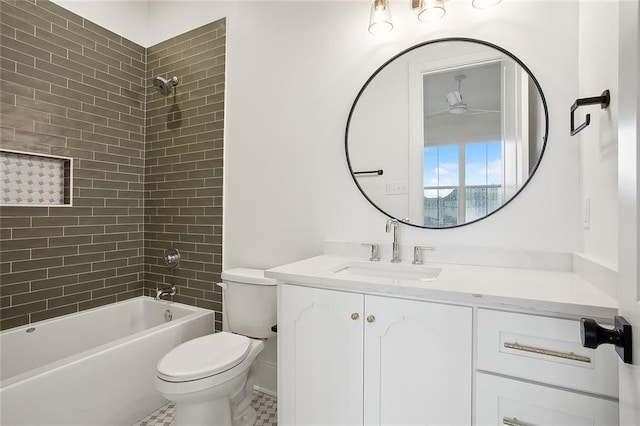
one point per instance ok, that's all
(446, 132)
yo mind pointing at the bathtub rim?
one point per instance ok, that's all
(196, 312)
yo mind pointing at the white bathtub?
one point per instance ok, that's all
(95, 367)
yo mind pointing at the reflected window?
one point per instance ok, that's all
(455, 195)
(441, 185)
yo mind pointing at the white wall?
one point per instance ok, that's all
(380, 120)
(127, 18)
(544, 216)
(597, 71)
(293, 70)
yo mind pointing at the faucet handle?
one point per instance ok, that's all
(417, 254)
(375, 251)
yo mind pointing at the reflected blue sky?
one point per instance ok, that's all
(483, 164)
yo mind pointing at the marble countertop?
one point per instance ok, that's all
(531, 290)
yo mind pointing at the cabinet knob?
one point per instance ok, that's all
(355, 316)
(371, 318)
(593, 335)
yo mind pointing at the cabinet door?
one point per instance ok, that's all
(320, 357)
(417, 363)
(502, 401)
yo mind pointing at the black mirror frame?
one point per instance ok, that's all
(449, 39)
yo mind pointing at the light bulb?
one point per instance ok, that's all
(484, 4)
(380, 18)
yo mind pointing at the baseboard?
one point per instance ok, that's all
(267, 391)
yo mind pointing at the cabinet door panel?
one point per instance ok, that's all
(417, 363)
(320, 357)
(502, 401)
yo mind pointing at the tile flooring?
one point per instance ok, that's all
(265, 405)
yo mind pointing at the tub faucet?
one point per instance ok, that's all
(393, 224)
(167, 291)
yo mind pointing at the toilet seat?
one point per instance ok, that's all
(203, 357)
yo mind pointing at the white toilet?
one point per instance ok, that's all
(211, 378)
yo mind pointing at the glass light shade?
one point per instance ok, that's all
(380, 19)
(431, 10)
(483, 4)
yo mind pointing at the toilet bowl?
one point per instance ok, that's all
(211, 378)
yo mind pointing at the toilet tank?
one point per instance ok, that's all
(249, 302)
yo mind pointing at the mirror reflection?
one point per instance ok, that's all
(446, 133)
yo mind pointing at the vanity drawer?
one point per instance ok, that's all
(546, 350)
(502, 401)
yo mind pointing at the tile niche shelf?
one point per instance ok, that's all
(28, 179)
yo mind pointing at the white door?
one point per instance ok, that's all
(417, 363)
(629, 202)
(320, 334)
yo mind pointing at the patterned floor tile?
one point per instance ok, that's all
(265, 405)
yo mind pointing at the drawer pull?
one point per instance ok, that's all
(566, 355)
(513, 422)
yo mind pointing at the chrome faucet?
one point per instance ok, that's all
(375, 251)
(167, 291)
(417, 254)
(393, 224)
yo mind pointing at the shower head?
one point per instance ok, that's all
(165, 86)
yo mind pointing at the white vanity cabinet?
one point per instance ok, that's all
(533, 370)
(354, 359)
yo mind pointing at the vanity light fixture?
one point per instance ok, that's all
(380, 18)
(428, 11)
(484, 4)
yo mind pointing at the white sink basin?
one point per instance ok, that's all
(390, 270)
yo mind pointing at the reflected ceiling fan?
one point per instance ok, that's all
(457, 104)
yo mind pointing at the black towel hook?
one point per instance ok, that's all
(370, 172)
(603, 100)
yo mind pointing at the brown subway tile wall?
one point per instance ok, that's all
(59, 260)
(71, 88)
(183, 166)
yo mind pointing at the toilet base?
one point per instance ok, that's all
(204, 413)
(242, 413)
(248, 418)
(234, 411)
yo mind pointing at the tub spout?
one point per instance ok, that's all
(167, 291)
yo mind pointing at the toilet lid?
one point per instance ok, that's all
(203, 357)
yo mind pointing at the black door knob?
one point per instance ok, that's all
(593, 335)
